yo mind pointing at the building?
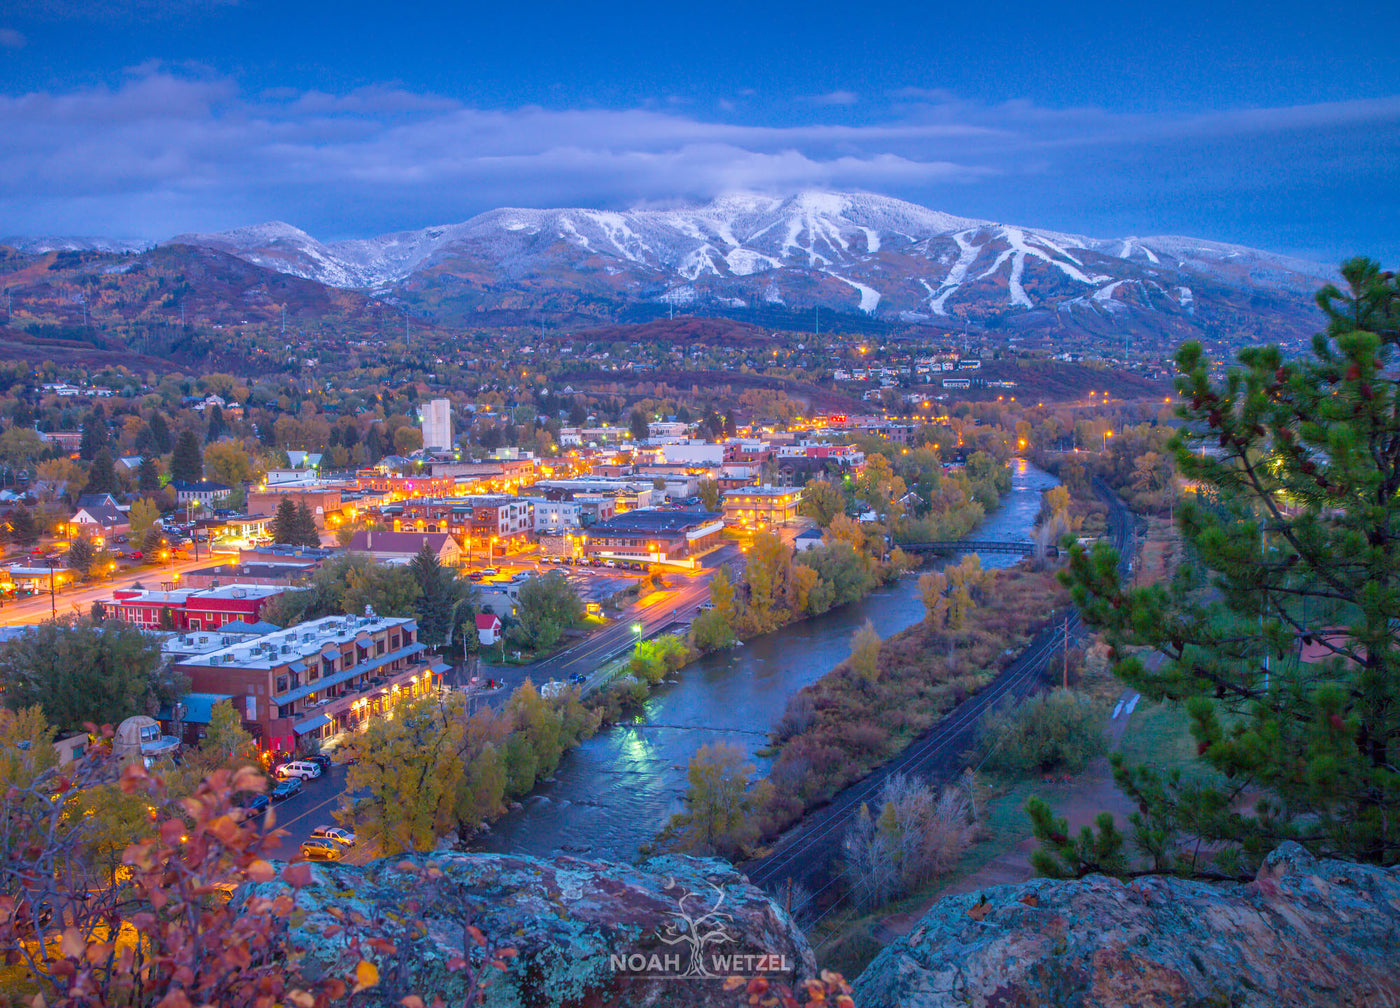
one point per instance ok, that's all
(401, 547)
(656, 536)
(99, 522)
(555, 517)
(283, 574)
(761, 508)
(808, 540)
(436, 415)
(321, 500)
(191, 608)
(203, 493)
(488, 628)
(319, 678)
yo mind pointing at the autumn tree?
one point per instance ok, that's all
(709, 493)
(822, 501)
(1278, 633)
(142, 517)
(864, 660)
(719, 804)
(227, 462)
(406, 772)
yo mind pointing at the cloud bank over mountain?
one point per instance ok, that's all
(170, 150)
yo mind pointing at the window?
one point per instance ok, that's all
(281, 684)
(394, 642)
(379, 646)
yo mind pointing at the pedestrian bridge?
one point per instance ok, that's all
(974, 546)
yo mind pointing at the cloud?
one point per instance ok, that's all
(836, 98)
(11, 39)
(169, 150)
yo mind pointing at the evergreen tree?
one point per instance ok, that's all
(304, 528)
(446, 601)
(637, 424)
(102, 475)
(217, 426)
(160, 433)
(148, 476)
(187, 462)
(284, 522)
(80, 555)
(24, 530)
(95, 435)
(1279, 631)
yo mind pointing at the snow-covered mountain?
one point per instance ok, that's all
(75, 243)
(854, 253)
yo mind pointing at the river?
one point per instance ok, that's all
(615, 791)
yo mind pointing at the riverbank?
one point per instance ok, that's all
(616, 790)
(850, 721)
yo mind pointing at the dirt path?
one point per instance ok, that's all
(1079, 799)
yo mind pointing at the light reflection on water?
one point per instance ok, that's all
(614, 792)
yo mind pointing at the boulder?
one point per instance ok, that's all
(584, 933)
(1304, 932)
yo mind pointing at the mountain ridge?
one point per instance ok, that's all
(857, 255)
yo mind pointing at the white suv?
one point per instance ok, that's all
(298, 768)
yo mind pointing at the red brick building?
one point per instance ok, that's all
(191, 608)
(319, 678)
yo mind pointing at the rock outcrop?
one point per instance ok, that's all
(1304, 932)
(584, 933)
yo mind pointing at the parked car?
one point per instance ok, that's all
(137, 555)
(336, 833)
(252, 801)
(320, 759)
(322, 849)
(304, 769)
(285, 788)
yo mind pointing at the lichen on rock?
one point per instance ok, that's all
(568, 922)
(1305, 932)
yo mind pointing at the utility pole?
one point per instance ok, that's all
(1064, 673)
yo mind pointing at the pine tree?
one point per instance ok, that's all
(187, 462)
(1279, 632)
(102, 475)
(284, 523)
(95, 436)
(160, 433)
(148, 476)
(445, 602)
(24, 530)
(304, 531)
(80, 554)
(217, 426)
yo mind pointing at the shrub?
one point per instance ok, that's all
(916, 836)
(1060, 730)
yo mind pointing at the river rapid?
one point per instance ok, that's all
(618, 789)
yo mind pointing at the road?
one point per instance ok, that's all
(78, 599)
(303, 812)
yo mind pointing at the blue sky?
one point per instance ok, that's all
(1271, 125)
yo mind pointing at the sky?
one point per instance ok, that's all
(1271, 125)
